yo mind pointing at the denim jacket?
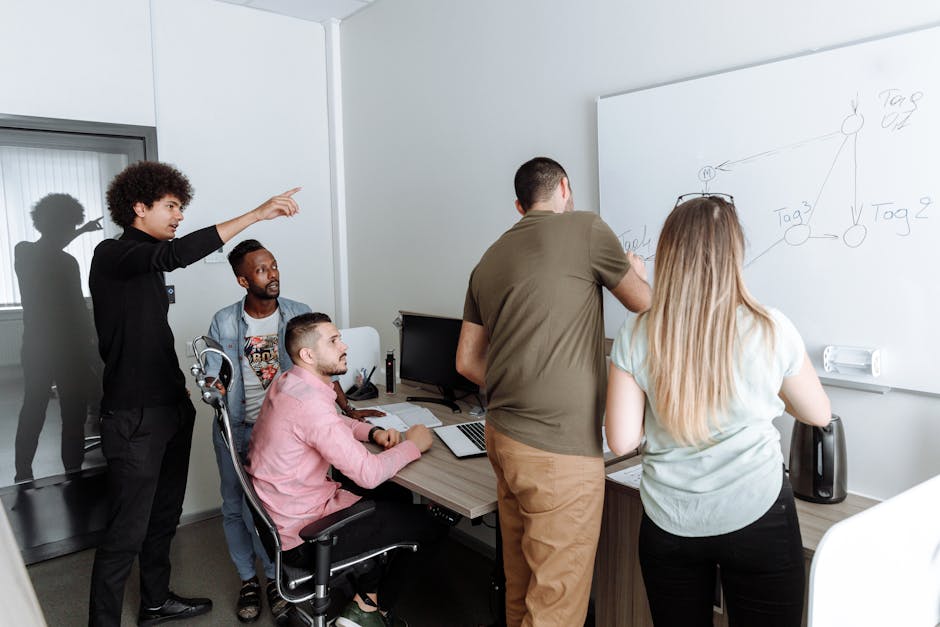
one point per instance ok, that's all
(229, 329)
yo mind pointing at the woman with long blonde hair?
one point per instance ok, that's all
(710, 368)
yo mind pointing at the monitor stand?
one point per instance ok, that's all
(449, 400)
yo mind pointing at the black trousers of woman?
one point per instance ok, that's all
(761, 569)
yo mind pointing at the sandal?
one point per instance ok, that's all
(249, 601)
(280, 607)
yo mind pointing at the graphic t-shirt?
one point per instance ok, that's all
(260, 363)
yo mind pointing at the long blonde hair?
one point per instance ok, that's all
(692, 324)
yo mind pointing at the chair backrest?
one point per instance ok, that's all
(267, 530)
(882, 565)
(204, 348)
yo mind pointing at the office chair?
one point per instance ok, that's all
(880, 566)
(296, 585)
(92, 442)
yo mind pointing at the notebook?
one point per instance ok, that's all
(400, 416)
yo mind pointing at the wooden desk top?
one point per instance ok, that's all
(815, 518)
(467, 486)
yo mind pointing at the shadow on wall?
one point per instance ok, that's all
(59, 353)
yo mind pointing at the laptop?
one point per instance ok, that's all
(464, 439)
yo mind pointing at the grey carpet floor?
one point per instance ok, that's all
(453, 592)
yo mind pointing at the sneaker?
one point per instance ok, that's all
(353, 616)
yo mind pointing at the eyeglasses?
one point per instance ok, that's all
(726, 197)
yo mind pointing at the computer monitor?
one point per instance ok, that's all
(429, 354)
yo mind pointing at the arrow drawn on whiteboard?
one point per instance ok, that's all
(726, 166)
(799, 233)
(832, 167)
(764, 253)
(856, 216)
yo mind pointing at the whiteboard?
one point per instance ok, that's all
(833, 160)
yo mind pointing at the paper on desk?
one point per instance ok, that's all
(409, 414)
(628, 476)
(394, 408)
(388, 421)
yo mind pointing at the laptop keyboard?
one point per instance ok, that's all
(474, 432)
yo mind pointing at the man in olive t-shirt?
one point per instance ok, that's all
(533, 335)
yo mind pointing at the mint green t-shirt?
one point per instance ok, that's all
(731, 481)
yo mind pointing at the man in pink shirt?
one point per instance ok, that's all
(296, 439)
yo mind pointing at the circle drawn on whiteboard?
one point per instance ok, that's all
(797, 234)
(855, 235)
(707, 173)
(853, 124)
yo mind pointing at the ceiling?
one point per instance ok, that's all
(311, 10)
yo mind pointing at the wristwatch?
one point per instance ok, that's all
(349, 408)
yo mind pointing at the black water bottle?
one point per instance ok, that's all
(390, 371)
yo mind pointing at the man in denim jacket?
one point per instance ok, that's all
(251, 332)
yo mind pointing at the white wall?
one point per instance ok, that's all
(241, 108)
(77, 60)
(444, 100)
(238, 97)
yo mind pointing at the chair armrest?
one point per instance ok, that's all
(337, 520)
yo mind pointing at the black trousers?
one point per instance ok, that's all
(391, 522)
(147, 450)
(761, 569)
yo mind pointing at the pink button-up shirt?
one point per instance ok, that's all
(297, 437)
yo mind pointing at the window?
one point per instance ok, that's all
(39, 157)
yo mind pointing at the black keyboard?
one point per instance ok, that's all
(474, 431)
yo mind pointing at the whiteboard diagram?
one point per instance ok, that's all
(833, 160)
(798, 221)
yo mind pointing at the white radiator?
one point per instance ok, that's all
(11, 339)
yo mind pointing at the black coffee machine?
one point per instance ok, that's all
(818, 463)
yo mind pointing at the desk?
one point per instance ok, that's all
(620, 596)
(467, 486)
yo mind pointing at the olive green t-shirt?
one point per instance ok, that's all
(537, 293)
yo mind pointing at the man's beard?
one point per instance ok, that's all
(335, 369)
(266, 292)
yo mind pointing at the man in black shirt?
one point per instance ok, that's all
(146, 415)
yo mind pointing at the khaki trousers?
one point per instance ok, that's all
(550, 509)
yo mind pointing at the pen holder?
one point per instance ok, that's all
(362, 392)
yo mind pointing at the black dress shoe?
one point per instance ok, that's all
(174, 608)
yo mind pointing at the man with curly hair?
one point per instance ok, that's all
(146, 415)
